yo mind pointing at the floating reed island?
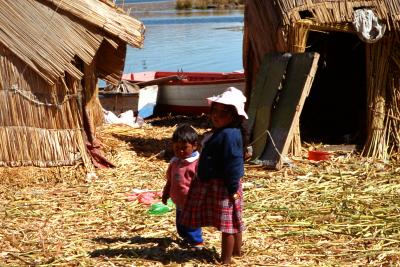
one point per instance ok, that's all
(343, 211)
(206, 4)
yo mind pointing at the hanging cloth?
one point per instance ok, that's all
(369, 28)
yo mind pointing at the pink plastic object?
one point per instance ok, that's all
(146, 198)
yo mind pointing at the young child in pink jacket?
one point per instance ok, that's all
(181, 170)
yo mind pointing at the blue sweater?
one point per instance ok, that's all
(222, 158)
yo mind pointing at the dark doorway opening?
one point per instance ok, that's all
(335, 110)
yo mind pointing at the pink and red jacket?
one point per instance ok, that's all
(180, 174)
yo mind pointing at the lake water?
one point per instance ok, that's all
(194, 40)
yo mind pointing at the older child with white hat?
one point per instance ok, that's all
(215, 197)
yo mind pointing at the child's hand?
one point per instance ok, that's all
(236, 196)
(164, 198)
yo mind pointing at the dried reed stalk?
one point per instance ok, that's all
(331, 12)
(339, 212)
(377, 75)
(47, 40)
(296, 42)
(40, 124)
(102, 15)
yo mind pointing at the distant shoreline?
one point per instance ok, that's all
(148, 6)
(165, 5)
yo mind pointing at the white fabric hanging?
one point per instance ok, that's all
(369, 28)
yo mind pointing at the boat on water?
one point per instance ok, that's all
(186, 92)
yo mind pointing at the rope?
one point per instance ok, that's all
(14, 89)
(264, 162)
(383, 113)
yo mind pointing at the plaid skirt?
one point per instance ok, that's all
(209, 204)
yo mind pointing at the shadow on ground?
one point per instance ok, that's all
(146, 147)
(200, 121)
(165, 250)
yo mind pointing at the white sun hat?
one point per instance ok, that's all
(231, 96)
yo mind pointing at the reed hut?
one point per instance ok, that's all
(355, 93)
(52, 53)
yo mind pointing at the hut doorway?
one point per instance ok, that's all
(335, 110)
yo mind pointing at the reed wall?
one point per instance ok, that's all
(40, 124)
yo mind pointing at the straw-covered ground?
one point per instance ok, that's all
(345, 211)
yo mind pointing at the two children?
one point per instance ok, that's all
(215, 195)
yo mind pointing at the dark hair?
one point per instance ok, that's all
(185, 133)
(238, 122)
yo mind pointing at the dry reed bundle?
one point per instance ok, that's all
(48, 41)
(394, 113)
(38, 37)
(40, 147)
(122, 26)
(328, 12)
(378, 66)
(296, 43)
(339, 212)
(40, 124)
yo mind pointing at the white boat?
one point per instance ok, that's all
(186, 92)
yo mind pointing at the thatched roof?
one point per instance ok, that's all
(48, 35)
(335, 11)
(267, 23)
